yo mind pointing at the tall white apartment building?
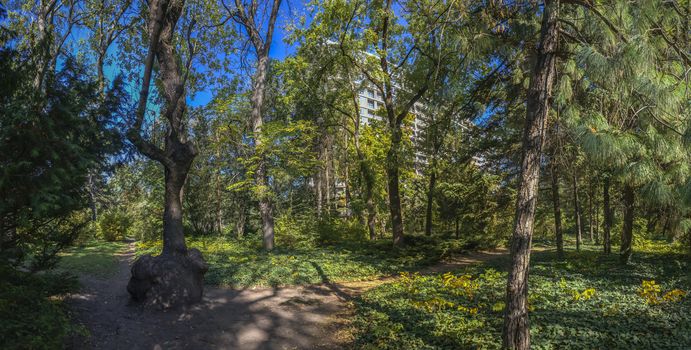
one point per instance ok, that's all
(370, 100)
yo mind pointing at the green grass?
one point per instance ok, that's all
(243, 264)
(95, 258)
(437, 312)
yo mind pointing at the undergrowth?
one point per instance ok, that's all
(587, 302)
(242, 264)
(32, 313)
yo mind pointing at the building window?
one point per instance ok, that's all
(370, 103)
(363, 111)
(370, 92)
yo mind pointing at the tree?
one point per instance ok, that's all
(400, 62)
(246, 14)
(50, 140)
(516, 330)
(176, 276)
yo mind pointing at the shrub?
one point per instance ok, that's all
(32, 314)
(114, 225)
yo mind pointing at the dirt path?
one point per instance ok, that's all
(308, 317)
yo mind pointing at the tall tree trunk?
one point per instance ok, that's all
(577, 213)
(365, 170)
(240, 223)
(318, 192)
(261, 181)
(516, 330)
(597, 217)
(392, 173)
(591, 218)
(608, 217)
(245, 14)
(557, 213)
(626, 248)
(176, 276)
(458, 232)
(430, 197)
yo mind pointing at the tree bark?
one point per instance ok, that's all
(597, 216)
(557, 213)
(458, 234)
(173, 233)
(176, 276)
(430, 197)
(626, 248)
(607, 242)
(392, 173)
(591, 217)
(246, 17)
(240, 224)
(516, 330)
(577, 213)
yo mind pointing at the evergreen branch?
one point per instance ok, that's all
(673, 45)
(588, 4)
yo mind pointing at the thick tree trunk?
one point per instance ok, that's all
(626, 248)
(577, 213)
(607, 242)
(430, 198)
(557, 213)
(173, 234)
(516, 330)
(392, 173)
(176, 276)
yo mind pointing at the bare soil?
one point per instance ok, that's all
(304, 317)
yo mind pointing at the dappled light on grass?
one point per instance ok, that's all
(95, 258)
(243, 264)
(587, 302)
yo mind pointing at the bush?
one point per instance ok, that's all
(114, 225)
(32, 314)
(296, 231)
(334, 230)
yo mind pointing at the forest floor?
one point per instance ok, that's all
(299, 317)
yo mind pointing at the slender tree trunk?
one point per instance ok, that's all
(591, 218)
(627, 231)
(458, 232)
(392, 173)
(608, 217)
(557, 213)
(577, 213)
(430, 198)
(246, 15)
(318, 192)
(597, 217)
(516, 330)
(242, 217)
(365, 170)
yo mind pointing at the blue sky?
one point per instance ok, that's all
(290, 10)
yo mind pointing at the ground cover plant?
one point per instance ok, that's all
(32, 311)
(588, 301)
(244, 264)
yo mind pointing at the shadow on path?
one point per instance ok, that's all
(309, 317)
